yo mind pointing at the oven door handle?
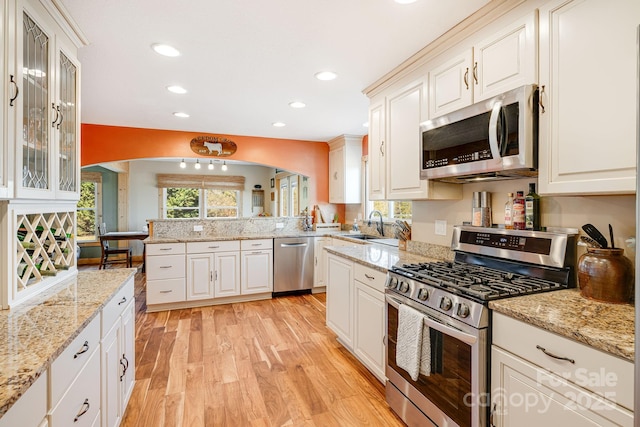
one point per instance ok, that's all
(432, 323)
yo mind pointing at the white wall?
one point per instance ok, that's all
(143, 193)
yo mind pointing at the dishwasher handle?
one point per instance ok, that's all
(293, 245)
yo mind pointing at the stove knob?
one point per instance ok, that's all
(403, 287)
(393, 283)
(463, 310)
(445, 303)
(423, 294)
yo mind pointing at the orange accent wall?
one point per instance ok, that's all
(102, 143)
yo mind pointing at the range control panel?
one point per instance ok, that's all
(535, 245)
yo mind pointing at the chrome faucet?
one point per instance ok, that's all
(380, 226)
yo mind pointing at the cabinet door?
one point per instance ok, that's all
(111, 370)
(226, 274)
(377, 160)
(128, 354)
(257, 272)
(336, 175)
(199, 276)
(405, 110)
(524, 395)
(320, 261)
(451, 85)
(67, 125)
(4, 105)
(588, 113)
(369, 328)
(340, 298)
(506, 60)
(34, 73)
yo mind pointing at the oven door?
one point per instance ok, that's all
(455, 393)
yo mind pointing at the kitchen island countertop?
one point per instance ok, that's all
(604, 326)
(379, 257)
(38, 330)
(198, 237)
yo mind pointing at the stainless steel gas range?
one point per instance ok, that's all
(452, 298)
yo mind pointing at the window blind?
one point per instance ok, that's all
(212, 182)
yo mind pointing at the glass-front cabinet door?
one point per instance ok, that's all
(35, 110)
(66, 127)
(4, 190)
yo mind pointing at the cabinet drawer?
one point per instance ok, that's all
(31, 408)
(217, 246)
(66, 366)
(81, 403)
(164, 291)
(249, 245)
(592, 369)
(374, 278)
(116, 306)
(165, 248)
(165, 267)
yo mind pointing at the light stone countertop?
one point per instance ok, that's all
(607, 327)
(195, 236)
(376, 256)
(38, 330)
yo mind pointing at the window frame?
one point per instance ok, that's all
(202, 204)
(97, 209)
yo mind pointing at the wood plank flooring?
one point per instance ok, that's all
(267, 363)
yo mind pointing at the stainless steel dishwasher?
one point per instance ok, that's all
(292, 264)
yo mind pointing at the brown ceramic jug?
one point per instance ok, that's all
(606, 275)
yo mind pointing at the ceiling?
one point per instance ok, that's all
(243, 61)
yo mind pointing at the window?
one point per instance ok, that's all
(289, 196)
(201, 196)
(89, 206)
(392, 209)
(197, 203)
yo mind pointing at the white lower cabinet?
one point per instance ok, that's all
(165, 268)
(540, 378)
(320, 261)
(226, 274)
(200, 276)
(355, 310)
(31, 408)
(118, 355)
(257, 272)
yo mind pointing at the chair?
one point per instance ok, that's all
(109, 255)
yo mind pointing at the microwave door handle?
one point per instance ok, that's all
(494, 143)
(434, 324)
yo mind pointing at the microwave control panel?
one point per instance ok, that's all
(456, 159)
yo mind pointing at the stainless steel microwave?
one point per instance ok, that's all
(493, 139)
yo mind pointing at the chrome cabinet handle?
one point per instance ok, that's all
(166, 292)
(55, 119)
(213, 247)
(466, 78)
(544, 350)
(540, 100)
(125, 367)
(256, 244)
(493, 412)
(369, 277)
(122, 301)
(166, 266)
(382, 148)
(335, 175)
(166, 249)
(83, 349)
(83, 410)
(13, 80)
(475, 72)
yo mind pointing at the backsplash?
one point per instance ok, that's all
(168, 228)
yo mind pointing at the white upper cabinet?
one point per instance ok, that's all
(376, 162)
(588, 111)
(345, 166)
(496, 64)
(6, 98)
(451, 84)
(43, 119)
(507, 59)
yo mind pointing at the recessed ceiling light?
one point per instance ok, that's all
(165, 49)
(179, 114)
(365, 124)
(297, 104)
(176, 89)
(278, 124)
(405, 1)
(325, 75)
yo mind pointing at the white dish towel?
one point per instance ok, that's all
(409, 340)
(425, 358)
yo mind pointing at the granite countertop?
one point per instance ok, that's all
(38, 330)
(607, 327)
(379, 257)
(198, 237)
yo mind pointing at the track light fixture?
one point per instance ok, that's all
(183, 164)
(210, 167)
(224, 166)
(197, 165)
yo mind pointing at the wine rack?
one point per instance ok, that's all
(45, 246)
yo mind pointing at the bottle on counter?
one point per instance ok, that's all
(508, 209)
(532, 209)
(517, 213)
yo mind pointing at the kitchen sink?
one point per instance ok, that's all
(373, 239)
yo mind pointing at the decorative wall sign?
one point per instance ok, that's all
(213, 146)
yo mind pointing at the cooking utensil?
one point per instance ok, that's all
(588, 241)
(596, 235)
(613, 246)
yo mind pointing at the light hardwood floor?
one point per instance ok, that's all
(267, 363)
